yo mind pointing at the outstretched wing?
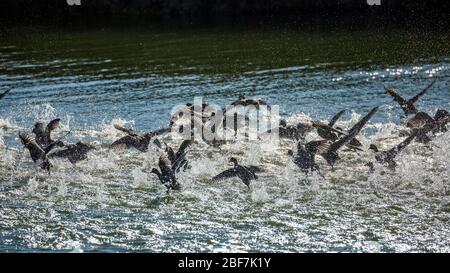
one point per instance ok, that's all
(35, 150)
(393, 152)
(4, 93)
(52, 125)
(353, 131)
(225, 174)
(170, 153)
(183, 147)
(421, 93)
(335, 118)
(395, 95)
(318, 146)
(320, 125)
(420, 120)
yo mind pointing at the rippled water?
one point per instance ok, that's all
(111, 202)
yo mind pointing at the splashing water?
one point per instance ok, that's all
(111, 202)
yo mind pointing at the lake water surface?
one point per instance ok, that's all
(92, 79)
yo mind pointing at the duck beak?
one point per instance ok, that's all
(318, 124)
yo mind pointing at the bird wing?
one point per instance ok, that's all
(320, 125)
(421, 93)
(36, 152)
(404, 104)
(395, 95)
(225, 174)
(393, 152)
(318, 146)
(183, 146)
(129, 140)
(170, 153)
(335, 118)
(4, 93)
(52, 125)
(419, 120)
(353, 131)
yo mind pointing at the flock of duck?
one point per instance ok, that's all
(420, 127)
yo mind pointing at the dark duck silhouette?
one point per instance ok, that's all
(305, 157)
(166, 173)
(73, 152)
(43, 135)
(294, 132)
(178, 159)
(328, 132)
(422, 124)
(37, 153)
(245, 173)
(408, 106)
(172, 163)
(386, 158)
(137, 140)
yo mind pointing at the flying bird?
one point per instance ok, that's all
(408, 106)
(245, 173)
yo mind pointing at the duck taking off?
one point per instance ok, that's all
(74, 152)
(325, 132)
(43, 136)
(305, 157)
(37, 153)
(178, 160)
(408, 106)
(421, 124)
(137, 140)
(386, 158)
(328, 132)
(245, 173)
(166, 173)
(294, 132)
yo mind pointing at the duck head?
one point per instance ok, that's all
(38, 128)
(233, 160)
(374, 148)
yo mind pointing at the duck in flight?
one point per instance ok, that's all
(172, 163)
(294, 132)
(166, 173)
(73, 152)
(43, 135)
(245, 173)
(138, 140)
(386, 158)
(422, 123)
(178, 160)
(408, 106)
(328, 131)
(305, 157)
(37, 153)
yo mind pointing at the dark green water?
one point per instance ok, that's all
(93, 78)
